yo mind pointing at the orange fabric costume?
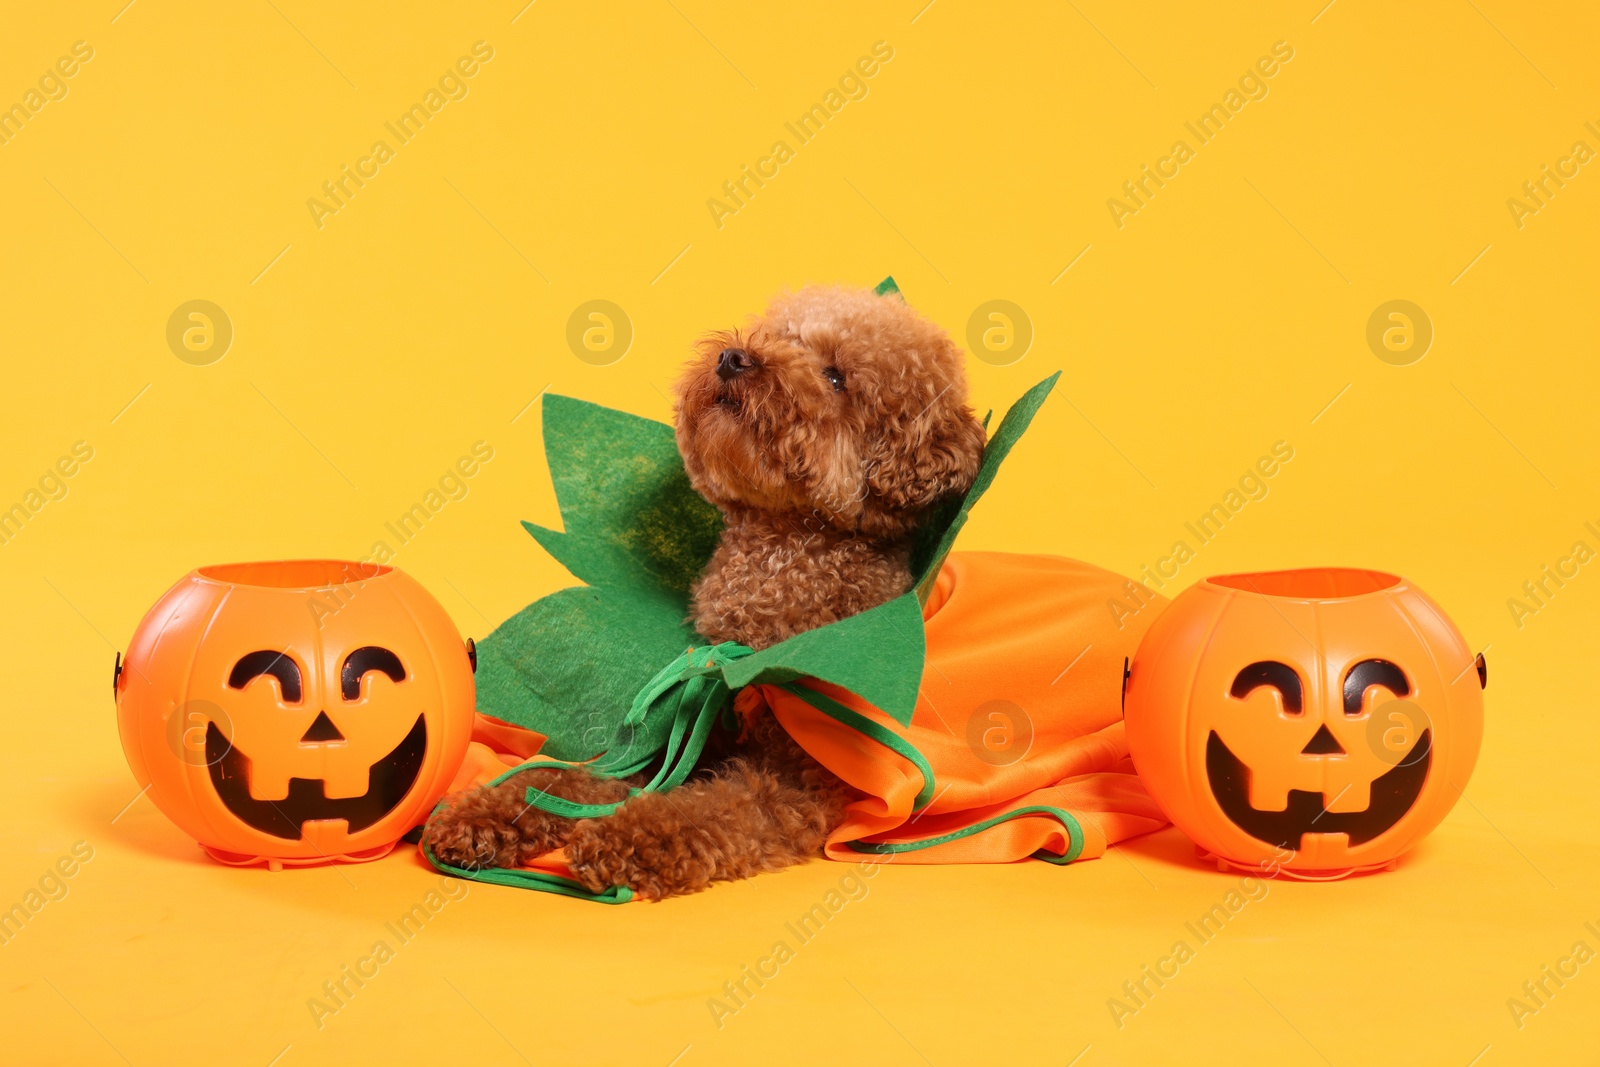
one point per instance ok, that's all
(1016, 746)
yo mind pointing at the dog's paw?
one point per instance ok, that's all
(604, 853)
(601, 859)
(478, 832)
(471, 838)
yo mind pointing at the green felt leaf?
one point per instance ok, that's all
(926, 563)
(628, 511)
(888, 286)
(877, 655)
(569, 664)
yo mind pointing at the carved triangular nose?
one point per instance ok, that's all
(1323, 743)
(322, 730)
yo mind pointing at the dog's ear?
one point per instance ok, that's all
(918, 461)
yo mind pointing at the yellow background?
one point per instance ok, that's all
(431, 311)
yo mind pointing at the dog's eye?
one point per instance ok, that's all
(835, 378)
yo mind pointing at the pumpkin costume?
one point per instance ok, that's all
(1015, 747)
(979, 714)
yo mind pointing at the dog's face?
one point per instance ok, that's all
(836, 403)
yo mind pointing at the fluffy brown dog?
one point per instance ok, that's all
(825, 432)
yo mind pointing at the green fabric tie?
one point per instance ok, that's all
(688, 694)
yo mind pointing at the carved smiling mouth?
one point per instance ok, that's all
(1393, 794)
(388, 782)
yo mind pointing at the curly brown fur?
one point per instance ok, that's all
(768, 808)
(824, 431)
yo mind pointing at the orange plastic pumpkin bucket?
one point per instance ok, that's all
(296, 711)
(1318, 721)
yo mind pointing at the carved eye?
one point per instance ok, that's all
(363, 661)
(1274, 675)
(277, 664)
(835, 378)
(1368, 673)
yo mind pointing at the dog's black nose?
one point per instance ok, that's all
(733, 362)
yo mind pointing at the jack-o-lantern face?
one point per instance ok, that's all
(1321, 721)
(298, 711)
(388, 780)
